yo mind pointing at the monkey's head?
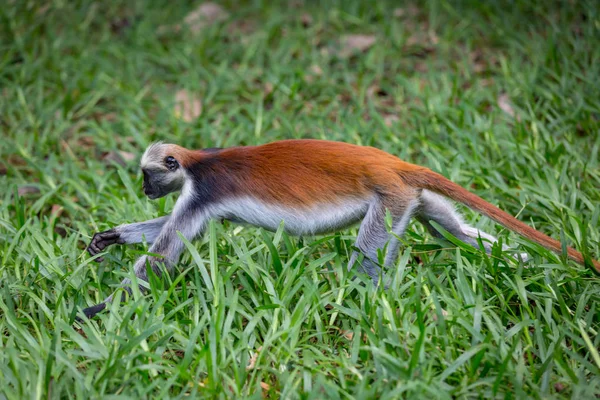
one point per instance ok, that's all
(163, 173)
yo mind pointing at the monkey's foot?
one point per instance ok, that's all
(90, 312)
(102, 240)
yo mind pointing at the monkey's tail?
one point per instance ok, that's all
(427, 179)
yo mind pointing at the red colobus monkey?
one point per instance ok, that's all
(314, 186)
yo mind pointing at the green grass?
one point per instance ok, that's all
(80, 80)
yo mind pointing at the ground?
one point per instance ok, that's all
(501, 97)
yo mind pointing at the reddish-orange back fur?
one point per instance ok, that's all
(303, 173)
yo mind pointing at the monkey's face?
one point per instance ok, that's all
(162, 179)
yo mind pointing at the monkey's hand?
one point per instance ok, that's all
(102, 240)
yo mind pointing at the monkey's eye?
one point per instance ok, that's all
(171, 163)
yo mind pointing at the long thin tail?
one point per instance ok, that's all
(427, 179)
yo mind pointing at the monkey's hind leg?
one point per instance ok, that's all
(434, 207)
(373, 235)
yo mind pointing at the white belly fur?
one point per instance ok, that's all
(318, 219)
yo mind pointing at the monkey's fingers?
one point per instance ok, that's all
(102, 240)
(94, 249)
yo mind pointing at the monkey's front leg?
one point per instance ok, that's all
(126, 234)
(168, 246)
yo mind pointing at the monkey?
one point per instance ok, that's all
(314, 187)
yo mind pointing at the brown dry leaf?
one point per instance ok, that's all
(414, 39)
(479, 67)
(482, 61)
(376, 91)
(253, 359)
(67, 149)
(505, 105)
(42, 10)
(127, 156)
(426, 40)
(433, 38)
(242, 27)
(325, 51)
(308, 107)
(16, 160)
(444, 314)
(188, 107)
(81, 332)
(355, 43)
(120, 157)
(119, 25)
(108, 117)
(86, 141)
(559, 387)
(73, 129)
(267, 89)
(373, 91)
(130, 140)
(348, 334)
(24, 190)
(60, 231)
(164, 29)
(56, 210)
(421, 67)
(379, 95)
(306, 20)
(172, 354)
(265, 386)
(314, 70)
(390, 119)
(478, 61)
(408, 11)
(205, 15)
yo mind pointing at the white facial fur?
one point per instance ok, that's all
(160, 180)
(154, 156)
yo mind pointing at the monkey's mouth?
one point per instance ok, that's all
(151, 194)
